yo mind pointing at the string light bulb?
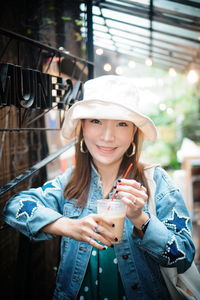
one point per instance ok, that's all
(192, 76)
(119, 70)
(172, 72)
(107, 67)
(149, 61)
(131, 64)
(99, 51)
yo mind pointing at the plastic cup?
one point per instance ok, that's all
(116, 210)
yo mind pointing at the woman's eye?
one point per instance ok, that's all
(123, 124)
(95, 121)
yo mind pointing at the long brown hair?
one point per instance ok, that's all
(79, 183)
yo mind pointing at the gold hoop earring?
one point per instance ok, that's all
(82, 147)
(133, 150)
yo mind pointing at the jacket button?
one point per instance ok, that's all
(125, 256)
(134, 286)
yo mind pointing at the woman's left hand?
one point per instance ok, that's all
(134, 196)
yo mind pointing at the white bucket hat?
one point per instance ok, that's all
(108, 97)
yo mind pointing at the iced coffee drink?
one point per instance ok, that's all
(116, 210)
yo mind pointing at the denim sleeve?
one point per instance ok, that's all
(168, 237)
(33, 209)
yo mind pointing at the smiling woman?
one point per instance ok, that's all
(107, 141)
(109, 128)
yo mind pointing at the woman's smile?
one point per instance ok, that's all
(105, 149)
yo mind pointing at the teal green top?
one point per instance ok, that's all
(102, 279)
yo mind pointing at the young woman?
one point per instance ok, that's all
(110, 129)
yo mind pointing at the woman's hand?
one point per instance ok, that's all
(134, 196)
(87, 229)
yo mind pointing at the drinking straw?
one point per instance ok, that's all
(127, 171)
(124, 176)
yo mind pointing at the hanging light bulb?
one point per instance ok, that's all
(119, 70)
(131, 64)
(99, 51)
(172, 72)
(192, 76)
(107, 67)
(149, 61)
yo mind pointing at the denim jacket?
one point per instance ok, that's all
(167, 240)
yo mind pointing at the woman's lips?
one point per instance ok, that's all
(106, 149)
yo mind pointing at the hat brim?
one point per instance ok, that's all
(89, 109)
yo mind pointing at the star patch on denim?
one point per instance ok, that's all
(27, 208)
(172, 252)
(178, 223)
(50, 186)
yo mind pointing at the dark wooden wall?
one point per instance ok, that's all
(28, 270)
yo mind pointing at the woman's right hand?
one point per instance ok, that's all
(87, 229)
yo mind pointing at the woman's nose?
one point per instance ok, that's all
(108, 133)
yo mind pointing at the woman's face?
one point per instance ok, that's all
(107, 140)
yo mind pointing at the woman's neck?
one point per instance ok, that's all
(108, 176)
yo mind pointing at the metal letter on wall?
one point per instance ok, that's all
(26, 88)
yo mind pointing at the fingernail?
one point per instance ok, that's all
(113, 225)
(104, 248)
(112, 246)
(116, 239)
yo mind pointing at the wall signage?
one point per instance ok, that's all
(28, 88)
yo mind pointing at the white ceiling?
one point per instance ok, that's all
(169, 31)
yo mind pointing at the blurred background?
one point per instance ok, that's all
(48, 49)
